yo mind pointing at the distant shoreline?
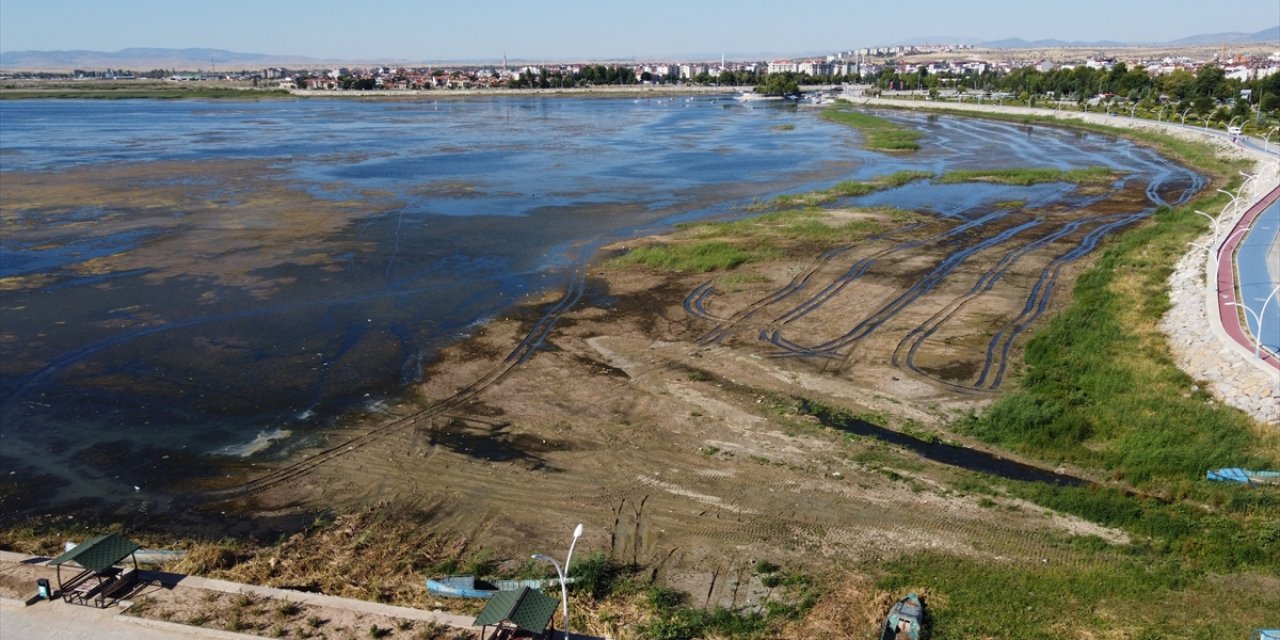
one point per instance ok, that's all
(116, 90)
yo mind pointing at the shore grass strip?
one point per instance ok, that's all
(880, 134)
(1025, 177)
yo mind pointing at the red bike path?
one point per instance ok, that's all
(1230, 316)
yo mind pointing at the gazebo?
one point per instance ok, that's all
(516, 614)
(101, 583)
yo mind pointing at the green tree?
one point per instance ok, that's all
(779, 84)
(1211, 81)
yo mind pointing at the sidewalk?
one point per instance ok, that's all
(57, 620)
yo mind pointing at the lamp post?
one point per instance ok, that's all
(1212, 254)
(1160, 116)
(1257, 320)
(1248, 177)
(1213, 224)
(564, 588)
(1266, 142)
(1262, 313)
(1184, 116)
(1235, 202)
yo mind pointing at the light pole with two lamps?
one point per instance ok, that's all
(1257, 319)
(1213, 252)
(563, 573)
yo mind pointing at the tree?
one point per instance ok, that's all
(779, 84)
(1210, 81)
(1178, 84)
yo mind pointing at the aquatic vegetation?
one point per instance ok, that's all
(1028, 176)
(881, 134)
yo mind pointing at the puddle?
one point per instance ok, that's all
(948, 454)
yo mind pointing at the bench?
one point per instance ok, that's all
(117, 588)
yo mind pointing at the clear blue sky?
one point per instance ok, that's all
(595, 29)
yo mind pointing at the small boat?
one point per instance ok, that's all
(751, 96)
(1244, 476)
(905, 619)
(471, 587)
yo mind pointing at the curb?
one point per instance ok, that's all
(12, 602)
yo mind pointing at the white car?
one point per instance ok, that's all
(1235, 131)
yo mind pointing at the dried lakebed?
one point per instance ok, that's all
(659, 408)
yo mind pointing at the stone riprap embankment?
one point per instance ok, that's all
(1200, 345)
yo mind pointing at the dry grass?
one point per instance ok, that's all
(381, 553)
(271, 618)
(854, 608)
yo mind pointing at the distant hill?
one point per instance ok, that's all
(146, 59)
(142, 59)
(1271, 36)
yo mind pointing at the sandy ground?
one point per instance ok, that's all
(677, 440)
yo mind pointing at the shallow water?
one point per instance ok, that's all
(403, 226)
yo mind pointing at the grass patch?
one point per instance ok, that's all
(1011, 204)
(878, 133)
(1027, 176)
(696, 257)
(975, 598)
(845, 189)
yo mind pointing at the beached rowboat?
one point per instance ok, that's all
(471, 587)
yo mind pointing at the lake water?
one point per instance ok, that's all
(187, 282)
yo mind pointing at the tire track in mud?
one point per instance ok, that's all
(868, 325)
(528, 346)
(695, 301)
(1038, 298)
(1038, 301)
(726, 327)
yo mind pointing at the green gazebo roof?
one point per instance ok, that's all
(527, 608)
(100, 553)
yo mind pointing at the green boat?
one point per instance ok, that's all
(906, 619)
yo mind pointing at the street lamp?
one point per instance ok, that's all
(1235, 202)
(1257, 320)
(1262, 313)
(1213, 253)
(1213, 224)
(564, 588)
(1184, 116)
(1160, 116)
(1266, 142)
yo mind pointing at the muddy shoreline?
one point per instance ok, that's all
(664, 410)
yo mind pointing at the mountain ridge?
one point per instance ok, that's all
(145, 58)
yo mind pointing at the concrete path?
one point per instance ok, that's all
(57, 620)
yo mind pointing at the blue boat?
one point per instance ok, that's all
(906, 618)
(1244, 476)
(471, 587)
